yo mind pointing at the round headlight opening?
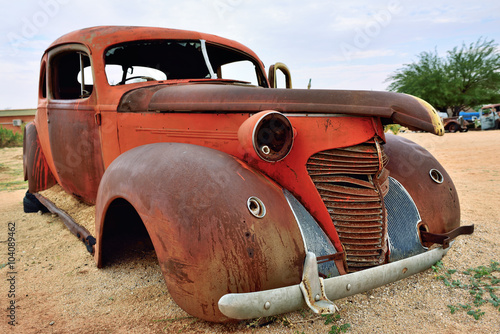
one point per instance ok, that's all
(273, 137)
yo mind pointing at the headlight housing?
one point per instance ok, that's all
(267, 135)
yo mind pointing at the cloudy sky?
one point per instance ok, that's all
(348, 44)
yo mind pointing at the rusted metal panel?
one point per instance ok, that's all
(36, 169)
(76, 148)
(410, 164)
(193, 201)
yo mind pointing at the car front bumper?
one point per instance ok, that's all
(291, 298)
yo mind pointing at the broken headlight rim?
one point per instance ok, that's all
(272, 136)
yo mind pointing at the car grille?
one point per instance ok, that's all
(352, 182)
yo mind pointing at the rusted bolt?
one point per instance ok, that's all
(267, 305)
(405, 270)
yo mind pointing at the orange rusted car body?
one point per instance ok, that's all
(222, 171)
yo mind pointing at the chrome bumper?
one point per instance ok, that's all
(287, 299)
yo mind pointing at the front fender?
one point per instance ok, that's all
(194, 203)
(417, 170)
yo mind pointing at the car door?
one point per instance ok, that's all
(71, 116)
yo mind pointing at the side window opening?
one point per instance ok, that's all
(43, 81)
(71, 76)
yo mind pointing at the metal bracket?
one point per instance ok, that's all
(313, 289)
(445, 238)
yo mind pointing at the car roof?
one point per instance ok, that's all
(99, 38)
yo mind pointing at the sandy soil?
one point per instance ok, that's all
(58, 288)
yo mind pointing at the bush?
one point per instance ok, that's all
(394, 128)
(9, 138)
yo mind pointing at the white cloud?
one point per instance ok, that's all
(356, 77)
(308, 36)
(372, 53)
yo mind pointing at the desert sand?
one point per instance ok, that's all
(58, 288)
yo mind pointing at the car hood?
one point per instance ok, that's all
(403, 109)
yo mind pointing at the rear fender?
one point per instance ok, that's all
(196, 204)
(35, 167)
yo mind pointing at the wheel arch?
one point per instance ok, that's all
(193, 201)
(119, 219)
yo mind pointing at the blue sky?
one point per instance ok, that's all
(352, 44)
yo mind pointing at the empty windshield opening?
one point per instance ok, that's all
(243, 71)
(157, 60)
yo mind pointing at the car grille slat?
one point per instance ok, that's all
(330, 171)
(362, 248)
(352, 182)
(344, 156)
(359, 253)
(342, 179)
(357, 224)
(357, 212)
(331, 188)
(346, 198)
(375, 229)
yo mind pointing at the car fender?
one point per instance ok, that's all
(35, 167)
(426, 181)
(196, 204)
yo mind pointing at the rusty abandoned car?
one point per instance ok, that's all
(258, 200)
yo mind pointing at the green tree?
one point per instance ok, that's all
(466, 77)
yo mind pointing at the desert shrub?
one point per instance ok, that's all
(9, 138)
(394, 128)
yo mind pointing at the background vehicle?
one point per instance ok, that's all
(249, 194)
(489, 117)
(486, 117)
(469, 116)
(453, 124)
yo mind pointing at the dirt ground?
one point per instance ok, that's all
(58, 288)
